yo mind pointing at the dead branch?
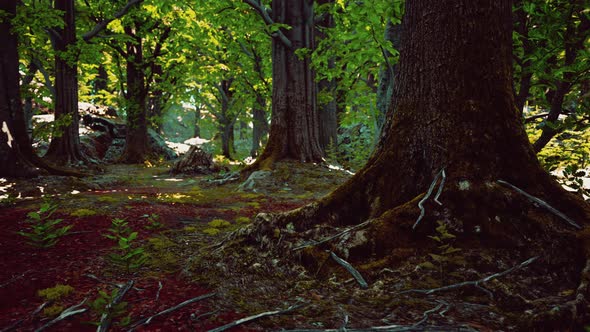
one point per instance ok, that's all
(93, 277)
(427, 313)
(329, 238)
(13, 279)
(542, 203)
(394, 328)
(475, 283)
(532, 118)
(440, 188)
(71, 311)
(428, 193)
(147, 320)
(355, 273)
(254, 317)
(106, 318)
(159, 289)
(20, 321)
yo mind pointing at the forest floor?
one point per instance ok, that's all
(183, 223)
(175, 217)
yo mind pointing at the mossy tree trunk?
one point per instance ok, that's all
(294, 128)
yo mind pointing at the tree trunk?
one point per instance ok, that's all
(197, 132)
(387, 73)
(65, 143)
(294, 129)
(156, 101)
(259, 125)
(453, 109)
(136, 141)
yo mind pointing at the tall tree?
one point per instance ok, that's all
(453, 114)
(294, 127)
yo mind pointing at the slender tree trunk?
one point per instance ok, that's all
(259, 125)
(387, 73)
(65, 143)
(197, 132)
(294, 129)
(136, 141)
(156, 101)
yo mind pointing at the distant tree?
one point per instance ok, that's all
(294, 126)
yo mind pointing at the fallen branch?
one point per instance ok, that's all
(440, 188)
(159, 289)
(474, 282)
(93, 277)
(329, 238)
(71, 311)
(106, 318)
(394, 328)
(427, 313)
(147, 320)
(254, 317)
(542, 203)
(428, 193)
(13, 279)
(20, 321)
(355, 273)
(532, 118)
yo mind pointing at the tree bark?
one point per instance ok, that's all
(294, 129)
(387, 73)
(65, 143)
(136, 141)
(259, 125)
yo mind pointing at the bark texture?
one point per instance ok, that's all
(136, 141)
(65, 143)
(294, 128)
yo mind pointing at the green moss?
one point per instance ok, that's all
(83, 213)
(108, 199)
(53, 310)
(161, 251)
(211, 231)
(55, 293)
(190, 229)
(243, 220)
(255, 205)
(219, 223)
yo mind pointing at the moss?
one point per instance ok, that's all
(83, 213)
(55, 293)
(53, 310)
(162, 254)
(243, 220)
(211, 231)
(255, 205)
(108, 199)
(219, 223)
(190, 229)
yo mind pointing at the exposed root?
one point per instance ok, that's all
(355, 273)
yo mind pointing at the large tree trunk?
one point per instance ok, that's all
(294, 128)
(65, 143)
(136, 141)
(453, 109)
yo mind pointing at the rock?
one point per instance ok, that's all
(158, 145)
(195, 161)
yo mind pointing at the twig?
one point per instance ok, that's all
(474, 282)
(159, 289)
(329, 238)
(199, 317)
(254, 317)
(147, 320)
(427, 313)
(106, 318)
(355, 273)
(71, 311)
(93, 277)
(542, 203)
(428, 193)
(394, 328)
(20, 321)
(440, 188)
(13, 279)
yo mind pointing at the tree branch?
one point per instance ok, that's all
(263, 12)
(100, 26)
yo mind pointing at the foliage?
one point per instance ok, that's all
(447, 257)
(83, 213)
(43, 231)
(153, 221)
(127, 254)
(99, 306)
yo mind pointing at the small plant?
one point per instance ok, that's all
(99, 306)
(43, 231)
(127, 255)
(574, 178)
(447, 256)
(153, 221)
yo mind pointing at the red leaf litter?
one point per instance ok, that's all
(24, 270)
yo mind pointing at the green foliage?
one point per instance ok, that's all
(99, 306)
(55, 293)
(126, 254)
(447, 257)
(43, 231)
(153, 221)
